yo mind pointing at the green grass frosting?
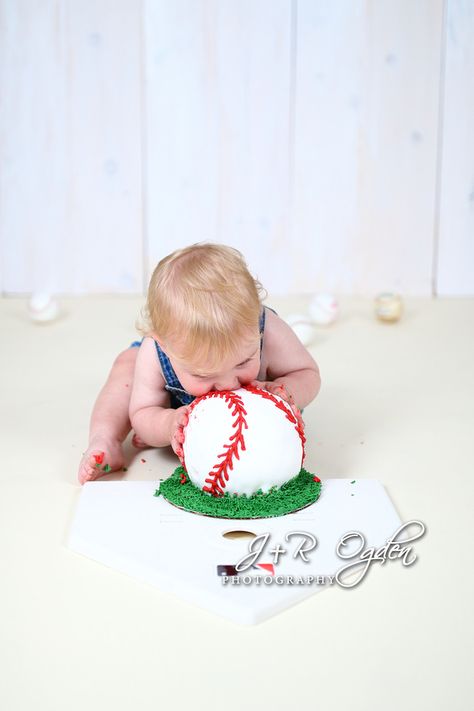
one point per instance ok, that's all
(295, 494)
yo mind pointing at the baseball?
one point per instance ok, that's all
(323, 309)
(302, 326)
(240, 441)
(43, 308)
(388, 307)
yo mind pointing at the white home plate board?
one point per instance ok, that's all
(124, 526)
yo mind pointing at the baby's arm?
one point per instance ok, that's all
(152, 418)
(289, 363)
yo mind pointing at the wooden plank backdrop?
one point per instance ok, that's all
(71, 205)
(454, 264)
(329, 141)
(366, 125)
(218, 84)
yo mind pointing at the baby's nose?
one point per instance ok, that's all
(230, 384)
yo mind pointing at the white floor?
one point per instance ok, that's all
(396, 405)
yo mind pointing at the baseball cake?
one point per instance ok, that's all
(243, 454)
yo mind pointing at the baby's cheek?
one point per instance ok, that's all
(197, 387)
(249, 374)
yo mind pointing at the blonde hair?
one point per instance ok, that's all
(204, 299)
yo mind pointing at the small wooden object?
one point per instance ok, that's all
(388, 307)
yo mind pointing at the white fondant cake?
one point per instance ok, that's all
(242, 441)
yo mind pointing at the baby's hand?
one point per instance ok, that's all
(178, 422)
(282, 391)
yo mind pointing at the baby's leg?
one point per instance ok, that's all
(110, 423)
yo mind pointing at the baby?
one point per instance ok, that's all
(205, 329)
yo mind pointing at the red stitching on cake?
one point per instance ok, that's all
(219, 474)
(282, 405)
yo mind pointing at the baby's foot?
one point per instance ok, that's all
(138, 443)
(102, 456)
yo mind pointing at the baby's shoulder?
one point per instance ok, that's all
(282, 347)
(148, 364)
(148, 348)
(275, 336)
(275, 326)
(148, 382)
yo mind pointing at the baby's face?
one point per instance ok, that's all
(235, 371)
